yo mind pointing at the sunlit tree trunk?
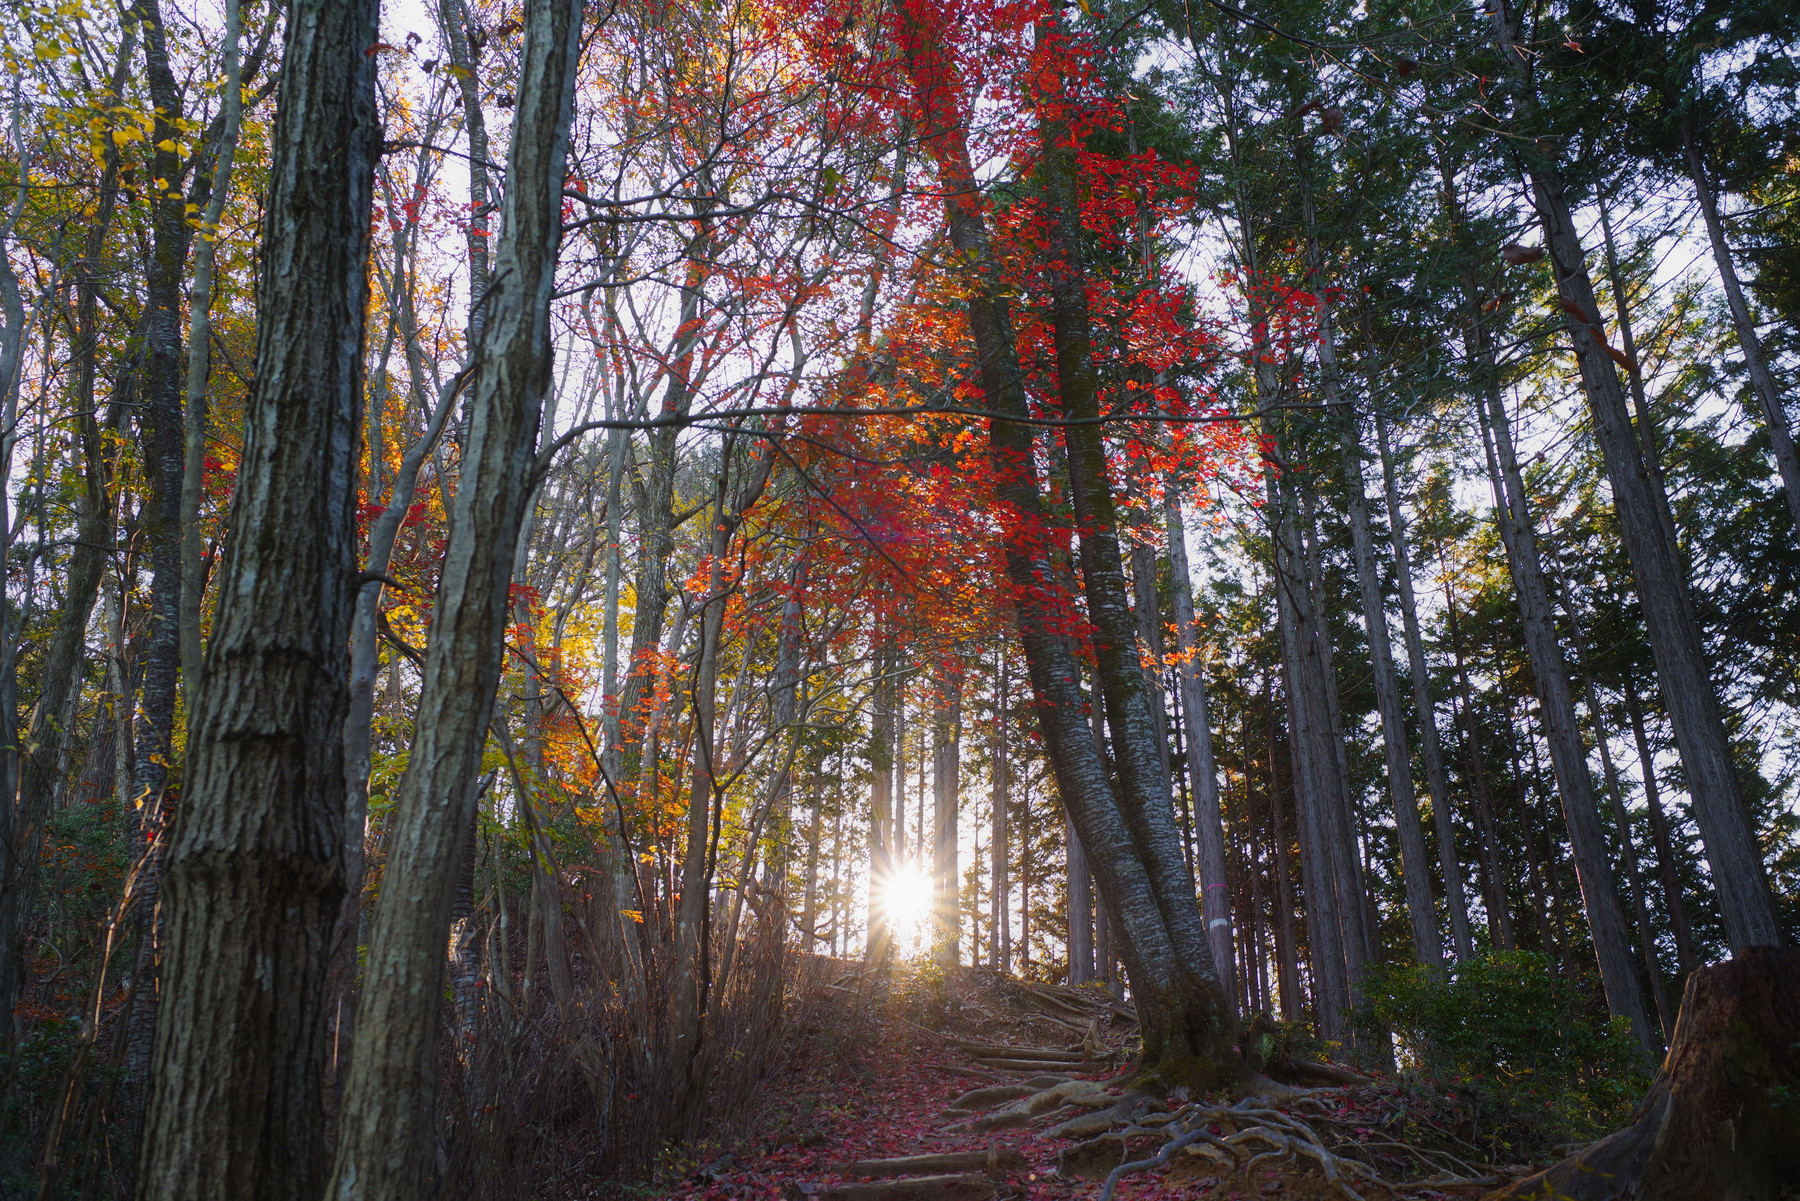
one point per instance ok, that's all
(946, 792)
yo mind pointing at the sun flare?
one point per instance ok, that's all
(907, 894)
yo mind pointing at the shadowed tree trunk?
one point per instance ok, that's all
(1756, 362)
(25, 806)
(1689, 696)
(254, 875)
(385, 1130)
(1430, 745)
(1203, 769)
(1568, 757)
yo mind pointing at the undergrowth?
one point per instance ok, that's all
(1514, 1059)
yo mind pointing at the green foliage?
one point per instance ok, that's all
(1531, 1068)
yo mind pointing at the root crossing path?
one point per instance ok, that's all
(981, 1086)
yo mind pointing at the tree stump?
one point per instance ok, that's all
(1721, 1122)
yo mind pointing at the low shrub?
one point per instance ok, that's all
(1526, 1062)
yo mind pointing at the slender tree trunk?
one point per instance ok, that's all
(1685, 958)
(25, 807)
(946, 792)
(1689, 695)
(1286, 946)
(1431, 746)
(1002, 941)
(1756, 363)
(255, 873)
(1203, 768)
(161, 445)
(193, 579)
(1079, 901)
(882, 754)
(1629, 861)
(1415, 868)
(1500, 922)
(384, 1135)
(1568, 758)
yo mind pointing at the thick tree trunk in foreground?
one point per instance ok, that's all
(1186, 1032)
(1719, 1123)
(254, 874)
(385, 1130)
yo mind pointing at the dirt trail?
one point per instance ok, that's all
(978, 1086)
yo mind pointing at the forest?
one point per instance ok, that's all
(899, 599)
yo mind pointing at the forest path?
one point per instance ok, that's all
(964, 1088)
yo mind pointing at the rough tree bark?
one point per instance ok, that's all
(384, 1134)
(254, 873)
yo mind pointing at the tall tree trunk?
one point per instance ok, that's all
(882, 756)
(1287, 945)
(384, 1135)
(1500, 923)
(255, 873)
(1186, 1032)
(1628, 859)
(1415, 862)
(1203, 768)
(161, 444)
(1685, 958)
(946, 792)
(1756, 363)
(1568, 758)
(1145, 800)
(1001, 953)
(193, 580)
(1415, 869)
(1689, 695)
(25, 806)
(1430, 745)
(1079, 902)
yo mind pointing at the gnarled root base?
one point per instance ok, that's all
(1722, 1120)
